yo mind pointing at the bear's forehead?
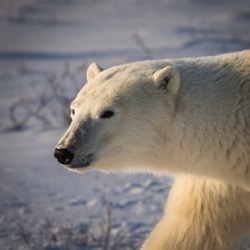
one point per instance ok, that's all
(116, 79)
(127, 71)
(102, 90)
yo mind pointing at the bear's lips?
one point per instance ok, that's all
(86, 162)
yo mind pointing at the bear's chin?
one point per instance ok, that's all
(77, 169)
(83, 165)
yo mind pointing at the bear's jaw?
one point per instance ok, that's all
(84, 163)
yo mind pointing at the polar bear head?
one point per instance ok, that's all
(121, 119)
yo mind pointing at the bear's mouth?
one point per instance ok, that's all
(85, 162)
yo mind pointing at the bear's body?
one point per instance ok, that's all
(184, 116)
(202, 214)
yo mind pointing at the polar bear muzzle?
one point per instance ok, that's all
(63, 155)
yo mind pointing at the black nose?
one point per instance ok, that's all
(63, 155)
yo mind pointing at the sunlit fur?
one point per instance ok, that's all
(202, 214)
(203, 128)
(196, 123)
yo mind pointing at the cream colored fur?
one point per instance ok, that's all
(199, 124)
(202, 214)
(183, 117)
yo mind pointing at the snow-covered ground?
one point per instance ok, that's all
(48, 42)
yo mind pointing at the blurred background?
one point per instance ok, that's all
(45, 48)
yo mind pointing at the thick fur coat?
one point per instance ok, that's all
(188, 117)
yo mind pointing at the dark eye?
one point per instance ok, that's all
(107, 114)
(72, 111)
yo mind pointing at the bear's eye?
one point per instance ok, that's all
(73, 112)
(107, 114)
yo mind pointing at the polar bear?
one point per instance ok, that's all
(188, 117)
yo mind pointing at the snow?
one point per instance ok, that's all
(39, 40)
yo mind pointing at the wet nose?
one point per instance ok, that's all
(63, 155)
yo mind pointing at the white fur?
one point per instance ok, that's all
(202, 214)
(184, 116)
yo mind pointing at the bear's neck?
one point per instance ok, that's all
(206, 133)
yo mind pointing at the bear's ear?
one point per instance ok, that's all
(93, 70)
(167, 79)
